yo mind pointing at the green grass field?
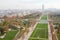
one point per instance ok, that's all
(44, 17)
(40, 32)
(10, 35)
(58, 35)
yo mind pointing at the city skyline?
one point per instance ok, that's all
(29, 4)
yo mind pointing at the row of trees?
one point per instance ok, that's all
(10, 23)
(57, 26)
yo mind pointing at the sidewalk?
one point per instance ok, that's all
(49, 31)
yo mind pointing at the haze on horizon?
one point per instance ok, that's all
(29, 4)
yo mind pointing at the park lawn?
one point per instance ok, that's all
(41, 31)
(10, 35)
(58, 35)
(39, 25)
(44, 17)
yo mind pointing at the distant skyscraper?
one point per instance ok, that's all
(42, 7)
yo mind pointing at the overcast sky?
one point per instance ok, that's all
(29, 4)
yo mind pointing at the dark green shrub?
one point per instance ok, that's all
(1, 31)
(13, 27)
